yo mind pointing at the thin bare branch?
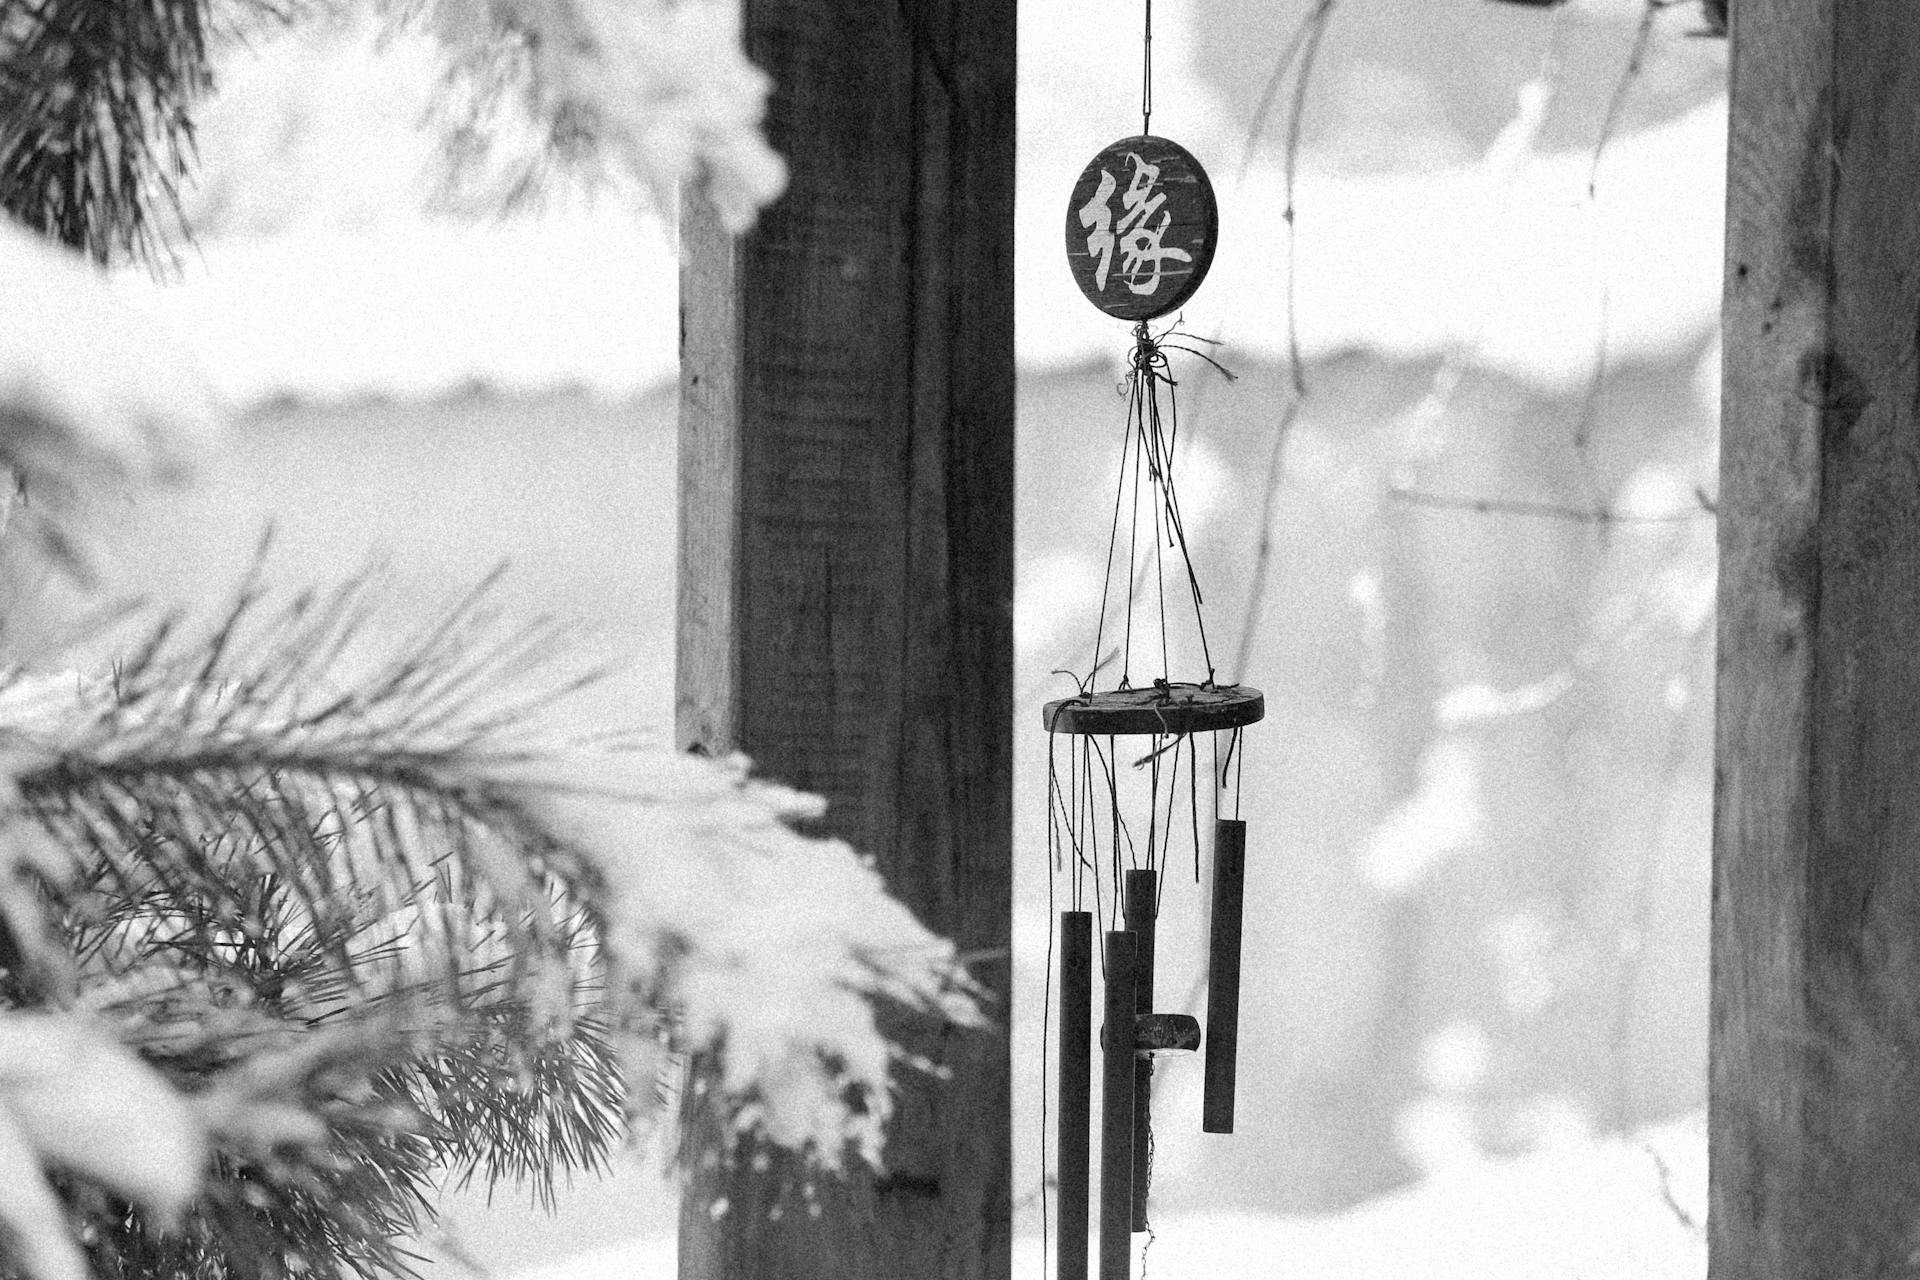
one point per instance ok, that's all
(1546, 510)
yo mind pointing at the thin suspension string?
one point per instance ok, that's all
(1216, 779)
(1090, 861)
(1239, 773)
(1059, 813)
(1113, 541)
(1193, 800)
(1161, 534)
(1158, 437)
(1172, 500)
(1147, 443)
(1173, 800)
(1146, 73)
(1133, 534)
(1076, 780)
(1174, 518)
(1046, 1006)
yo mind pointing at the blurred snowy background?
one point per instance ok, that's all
(1474, 1042)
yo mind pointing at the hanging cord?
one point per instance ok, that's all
(1158, 435)
(1239, 772)
(1146, 74)
(1147, 446)
(1193, 800)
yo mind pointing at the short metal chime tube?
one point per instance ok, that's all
(1141, 887)
(1223, 974)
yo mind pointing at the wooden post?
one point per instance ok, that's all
(1815, 1091)
(846, 537)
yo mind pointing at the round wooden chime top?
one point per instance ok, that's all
(1141, 228)
(1156, 709)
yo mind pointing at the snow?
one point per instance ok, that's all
(73, 1098)
(1439, 820)
(772, 946)
(326, 276)
(91, 389)
(423, 310)
(331, 264)
(1506, 259)
(1575, 1209)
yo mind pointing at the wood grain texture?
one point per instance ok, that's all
(1815, 1098)
(846, 573)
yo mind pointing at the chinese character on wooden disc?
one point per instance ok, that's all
(1141, 228)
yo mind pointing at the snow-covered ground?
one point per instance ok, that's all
(1583, 1210)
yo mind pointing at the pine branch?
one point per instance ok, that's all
(232, 760)
(94, 130)
(263, 849)
(526, 1115)
(341, 1208)
(264, 836)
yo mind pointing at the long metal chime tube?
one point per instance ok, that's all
(1223, 974)
(1076, 1090)
(1116, 1110)
(1141, 910)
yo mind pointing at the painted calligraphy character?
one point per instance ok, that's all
(1140, 247)
(1095, 214)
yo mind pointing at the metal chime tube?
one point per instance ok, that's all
(1141, 910)
(1223, 974)
(1076, 1090)
(1116, 1110)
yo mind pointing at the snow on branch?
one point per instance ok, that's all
(656, 92)
(73, 1097)
(93, 397)
(276, 857)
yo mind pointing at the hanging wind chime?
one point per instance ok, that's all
(1140, 232)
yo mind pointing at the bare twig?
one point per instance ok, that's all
(1623, 88)
(1609, 125)
(1547, 510)
(1306, 45)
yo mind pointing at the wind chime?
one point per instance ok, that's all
(1141, 229)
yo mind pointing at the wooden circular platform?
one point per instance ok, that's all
(1170, 708)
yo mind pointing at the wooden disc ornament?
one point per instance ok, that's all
(1141, 228)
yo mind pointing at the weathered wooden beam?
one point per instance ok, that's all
(1815, 1076)
(846, 524)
